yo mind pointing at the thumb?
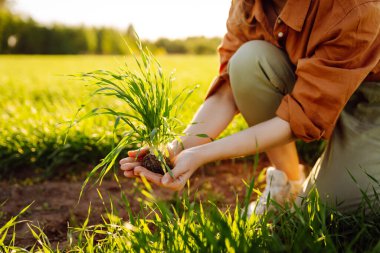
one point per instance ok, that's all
(169, 177)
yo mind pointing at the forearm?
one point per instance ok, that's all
(253, 140)
(212, 117)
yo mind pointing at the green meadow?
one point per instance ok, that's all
(38, 99)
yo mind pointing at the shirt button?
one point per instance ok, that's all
(280, 34)
(279, 21)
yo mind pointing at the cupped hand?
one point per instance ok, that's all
(133, 160)
(185, 164)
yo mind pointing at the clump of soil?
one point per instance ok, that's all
(152, 163)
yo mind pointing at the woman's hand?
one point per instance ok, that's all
(135, 157)
(185, 164)
(133, 160)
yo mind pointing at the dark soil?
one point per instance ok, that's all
(152, 163)
(55, 203)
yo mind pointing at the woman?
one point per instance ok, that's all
(295, 70)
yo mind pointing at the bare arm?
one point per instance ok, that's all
(212, 117)
(255, 139)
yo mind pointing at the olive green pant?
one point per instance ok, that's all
(261, 74)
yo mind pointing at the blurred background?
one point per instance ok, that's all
(99, 27)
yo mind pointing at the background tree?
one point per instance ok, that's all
(26, 36)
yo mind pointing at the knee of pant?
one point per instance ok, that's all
(248, 62)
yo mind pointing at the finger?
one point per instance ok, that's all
(127, 160)
(129, 166)
(149, 175)
(175, 173)
(178, 183)
(129, 174)
(140, 152)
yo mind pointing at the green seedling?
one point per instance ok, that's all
(145, 110)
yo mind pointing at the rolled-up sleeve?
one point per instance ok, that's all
(345, 56)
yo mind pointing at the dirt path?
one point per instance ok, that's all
(55, 202)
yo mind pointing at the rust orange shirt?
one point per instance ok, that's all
(333, 44)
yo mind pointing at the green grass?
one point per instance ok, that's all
(145, 109)
(36, 94)
(189, 226)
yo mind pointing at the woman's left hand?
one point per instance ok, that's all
(185, 164)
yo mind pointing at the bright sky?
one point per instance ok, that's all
(151, 18)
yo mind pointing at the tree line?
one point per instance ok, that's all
(25, 36)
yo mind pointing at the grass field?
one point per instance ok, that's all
(37, 96)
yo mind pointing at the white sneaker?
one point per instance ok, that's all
(278, 188)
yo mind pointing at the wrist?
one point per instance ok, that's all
(199, 155)
(174, 148)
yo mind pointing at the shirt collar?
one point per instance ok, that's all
(294, 13)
